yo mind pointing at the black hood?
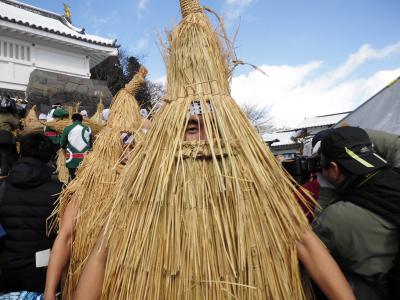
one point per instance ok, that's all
(29, 172)
(379, 193)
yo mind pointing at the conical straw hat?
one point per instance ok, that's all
(130, 120)
(97, 117)
(213, 219)
(95, 178)
(31, 122)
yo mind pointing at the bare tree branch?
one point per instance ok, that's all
(258, 116)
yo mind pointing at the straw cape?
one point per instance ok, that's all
(95, 177)
(213, 219)
(60, 125)
(62, 170)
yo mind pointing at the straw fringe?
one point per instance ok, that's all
(194, 228)
(60, 125)
(62, 170)
(217, 226)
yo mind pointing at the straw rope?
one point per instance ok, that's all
(190, 7)
(137, 81)
(124, 101)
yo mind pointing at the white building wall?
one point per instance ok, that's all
(16, 63)
(61, 61)
(18, 58)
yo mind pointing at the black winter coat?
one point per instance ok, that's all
(28, 199)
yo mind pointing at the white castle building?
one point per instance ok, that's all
(36, 41)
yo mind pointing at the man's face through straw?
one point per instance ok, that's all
(195, 128)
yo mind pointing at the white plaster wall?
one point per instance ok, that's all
(15, 71)
(61, 61)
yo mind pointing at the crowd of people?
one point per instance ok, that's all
(196, 207)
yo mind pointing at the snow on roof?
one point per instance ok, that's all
(319, 121)
(33, 17)
(283, 137)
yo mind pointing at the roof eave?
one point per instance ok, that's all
(25, 26)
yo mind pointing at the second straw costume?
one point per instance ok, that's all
(96, 177)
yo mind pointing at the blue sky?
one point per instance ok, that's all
(321, 56)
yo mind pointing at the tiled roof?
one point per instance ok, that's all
(282, 137)
(33, 17)
(321, 120)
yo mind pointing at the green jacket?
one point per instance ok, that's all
(76, 140)
(361, 241)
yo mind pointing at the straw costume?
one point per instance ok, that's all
(31, 122)
(96, 176)
(58, 126)
(97, 117)
(62, 170)
(212, 219)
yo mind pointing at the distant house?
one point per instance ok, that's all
(46, 59)
(290, 143)
(380, 112)
(281, 143)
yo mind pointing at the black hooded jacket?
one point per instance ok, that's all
(28, 199)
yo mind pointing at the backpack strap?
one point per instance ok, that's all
(2, 190)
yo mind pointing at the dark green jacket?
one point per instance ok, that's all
(76, 140)
(362, 242)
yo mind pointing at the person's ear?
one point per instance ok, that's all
(335, 170)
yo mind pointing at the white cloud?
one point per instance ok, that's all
(234, 8)
(142, 6)
(292, 93)
(143, 43)
(161, 80)
(365, 53)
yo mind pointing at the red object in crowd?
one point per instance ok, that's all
(313, 187)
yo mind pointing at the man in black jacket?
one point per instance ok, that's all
(27, 199)
(9, 121)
